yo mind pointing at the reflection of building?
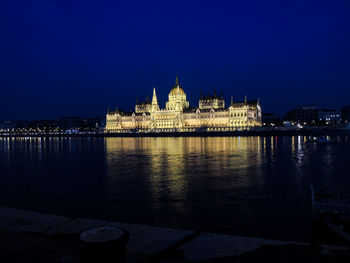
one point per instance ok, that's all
(179, 116)
(169, 166)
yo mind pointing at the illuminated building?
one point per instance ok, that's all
(345, 113)
(211, 115)
(209, 102)
(307, 115)
(329, 117)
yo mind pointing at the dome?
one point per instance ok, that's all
(177, 90)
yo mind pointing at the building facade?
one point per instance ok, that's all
(305, 115)
(211, 115)
(329, 117)
(345, 113)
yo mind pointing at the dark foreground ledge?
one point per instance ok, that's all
(271, 132)
(35, 237)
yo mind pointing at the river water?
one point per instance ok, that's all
(255, 186)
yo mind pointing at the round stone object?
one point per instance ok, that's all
(102, 234)
(103, 244)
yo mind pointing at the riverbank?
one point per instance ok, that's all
(261, 132)
(27, 236)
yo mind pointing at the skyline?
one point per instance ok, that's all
(77, 59)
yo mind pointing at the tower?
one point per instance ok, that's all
(155, 106)
(177, 98)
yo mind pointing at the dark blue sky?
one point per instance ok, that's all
(64, 58)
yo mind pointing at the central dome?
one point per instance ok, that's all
(177, 98)
(177, 90)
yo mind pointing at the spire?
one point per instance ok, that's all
(116, 108)
(154, 98)
(245, 98)
(137, 100)
(258, 103)
(108, 110)
(177, 85)
(215, 93)
(221, 96)
(231, 100)
(201, 94)
(155, 106)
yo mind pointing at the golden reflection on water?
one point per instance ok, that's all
(172, 162)
(183, 168)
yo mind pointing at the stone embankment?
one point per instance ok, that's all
(27, 236)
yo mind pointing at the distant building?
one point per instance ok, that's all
(43, 125)
(305, 115)
(81, 124)
(269, 119)
(71, 123)
(55, 125)
(98, 123)
(329, 117)
(345, 113)
(10, 125)
(211, 115)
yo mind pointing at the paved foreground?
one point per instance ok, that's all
(35, 237)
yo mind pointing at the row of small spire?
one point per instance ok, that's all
(154, 99)
(154, 96)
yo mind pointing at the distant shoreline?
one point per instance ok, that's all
(301, 132)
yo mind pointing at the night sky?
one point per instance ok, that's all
(77, 58)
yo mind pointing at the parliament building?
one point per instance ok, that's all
(211, 115)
